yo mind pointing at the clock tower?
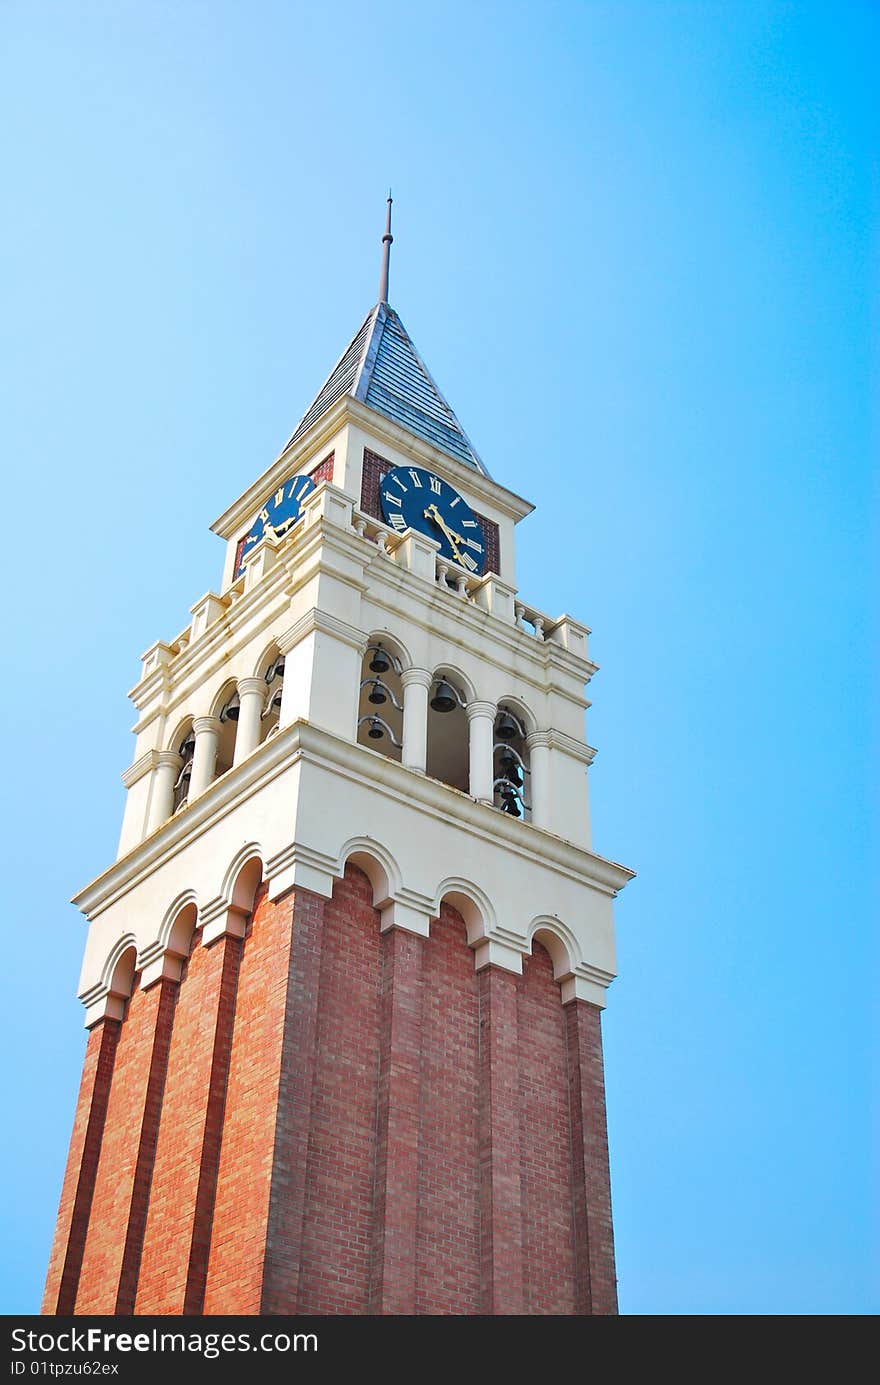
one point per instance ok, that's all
(343, 983)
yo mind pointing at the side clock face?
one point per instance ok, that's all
(277, 517)
(413, 498)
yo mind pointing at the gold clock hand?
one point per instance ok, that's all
(433, 513)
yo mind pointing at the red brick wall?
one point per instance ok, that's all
(448, 1255)
(178, 1224)
(238, 1241)
(351, 1122)
(62, 1279)
(545, 1169)
(335, 1273)
(121, 1148)
(591, 1183)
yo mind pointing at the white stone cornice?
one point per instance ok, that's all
(322, 621)
(345, 410)
(558, 740)
(586, 983)
(303, 742)
(300, 866)
(143, 765)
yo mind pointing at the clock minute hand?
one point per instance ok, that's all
(433, 513)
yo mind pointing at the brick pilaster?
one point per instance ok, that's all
(284, 1230)
(500, 1193)
(179, 1216)
(62, 1280)
(164, 995)
(133, 1088)
(395, 1210)
(591, 1180)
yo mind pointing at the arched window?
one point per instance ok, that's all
(380, 706)
(274, 675)
(185, 745)
(510, 765)
(227, 710)
(448, 753)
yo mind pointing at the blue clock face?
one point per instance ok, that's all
(278, 516)
(413, 498)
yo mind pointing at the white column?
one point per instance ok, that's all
(252, 694)
(538, 782)
(207, 734)
(416, 683)
(168, 764)
(481, 719)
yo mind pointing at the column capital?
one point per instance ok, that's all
(248, 686)
(202, 725)
(420, 677)
(539, 740)
(169, 758)
(480, 709)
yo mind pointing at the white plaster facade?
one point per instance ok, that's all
(309, 798)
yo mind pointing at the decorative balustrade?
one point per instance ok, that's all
(410, 550)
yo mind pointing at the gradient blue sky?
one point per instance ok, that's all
(632, 242)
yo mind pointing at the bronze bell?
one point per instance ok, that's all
(510, 804)
(375, 732)
(444, 699)
(510, 769)
(377, 696)
(506, 728)
(380, 663)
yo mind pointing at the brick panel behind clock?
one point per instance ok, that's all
(375, 468)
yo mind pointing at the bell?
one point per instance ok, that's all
(230, 712)
(444, 699)
(188, 749)
(506, 728)
(510, 769)
(377, 696)
(380, 663)
(375, 732)
(276, 671)
(511, 805)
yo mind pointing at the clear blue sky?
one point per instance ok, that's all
(632, 241)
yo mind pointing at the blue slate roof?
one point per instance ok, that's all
(382, 368)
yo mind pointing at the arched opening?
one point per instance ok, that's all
(226, 709)
(185, 744)
(380, 705)
(448, 753)
(511, 773)
(121, 982)
(272, 671)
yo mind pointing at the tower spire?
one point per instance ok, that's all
(386, 254)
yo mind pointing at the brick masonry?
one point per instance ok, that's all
(324, 1118)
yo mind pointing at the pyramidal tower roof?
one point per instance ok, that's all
(381, 368)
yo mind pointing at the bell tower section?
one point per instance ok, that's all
(343, 983)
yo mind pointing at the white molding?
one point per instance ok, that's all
(345, 410)
(303, 740)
